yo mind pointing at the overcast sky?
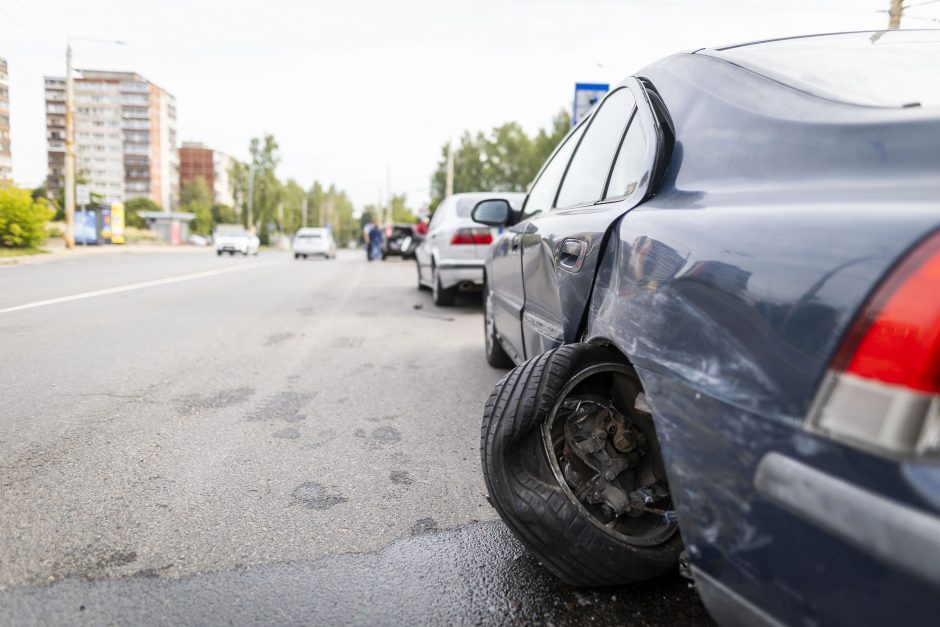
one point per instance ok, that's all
(351, 88)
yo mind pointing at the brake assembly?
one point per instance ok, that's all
(602, 453)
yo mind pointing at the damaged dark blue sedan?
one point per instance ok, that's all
(722, 298)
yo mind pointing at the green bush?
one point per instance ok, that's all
(134, 206)
(22, 219)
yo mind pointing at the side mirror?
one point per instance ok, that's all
(493, 212)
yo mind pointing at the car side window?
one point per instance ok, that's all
(542, 196)
(584, 182)
(631, 163)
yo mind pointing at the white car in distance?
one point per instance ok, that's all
(451, 257)
(308, 242)
(233, 239)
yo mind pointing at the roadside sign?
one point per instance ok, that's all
(586, 95)
(86, 227)
(82, 195)
(104, 229)
(117, 223)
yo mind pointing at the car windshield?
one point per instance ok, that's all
(884, 68)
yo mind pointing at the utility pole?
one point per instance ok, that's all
(388, 188)
(449, 188)
(69, 150)
(251, 198)
(894, 14)
(70, 137)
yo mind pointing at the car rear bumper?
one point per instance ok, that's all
(466, 273)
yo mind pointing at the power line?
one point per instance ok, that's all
(42, 22)
(31, 33)
(923, 19)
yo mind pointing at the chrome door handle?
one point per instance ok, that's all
(571, 254)
(515, 244)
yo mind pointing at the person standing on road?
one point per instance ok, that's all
(421, 228)
(366, 243)
(375, 242)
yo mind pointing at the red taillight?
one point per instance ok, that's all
(896, 340)
(882, 391)
(472, 236)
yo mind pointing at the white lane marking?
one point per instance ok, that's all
(136, 286)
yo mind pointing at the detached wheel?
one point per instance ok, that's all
(573, 467)
(442, 297)
(496, 356)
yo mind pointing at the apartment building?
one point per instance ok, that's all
(6, 158)
(125, 136)
(197, 159)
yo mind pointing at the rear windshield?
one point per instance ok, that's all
(884, 68)
(310, 236)
(232, 232)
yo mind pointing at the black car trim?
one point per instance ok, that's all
(727, 607)
(453, 265)
(899, 535)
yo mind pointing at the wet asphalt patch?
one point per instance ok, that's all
(400, 477)
(474, 574)
(277, 338)
(195, 403)
(315, 496)
(291, 433)
(286, 406)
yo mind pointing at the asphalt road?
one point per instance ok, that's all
(188, 439)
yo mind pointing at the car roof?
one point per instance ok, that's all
(312, 229)
(487, 194)
(896, 68)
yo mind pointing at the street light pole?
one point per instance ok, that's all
(894, 14)
(70, 137)
(69, 150)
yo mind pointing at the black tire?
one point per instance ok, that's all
(496, 356)
(218, 253)
(525, 491)
(442, 297)
(296, 255)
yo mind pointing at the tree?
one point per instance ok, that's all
(134, 206)
(293, 200)
(196, 190)
(196, 199)
(328, 206)
(265, 157)
(238, 185)
(223, 214)
(23, 219)
(505, 160)
(401, 213)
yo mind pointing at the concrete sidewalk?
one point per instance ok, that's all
(58, 252)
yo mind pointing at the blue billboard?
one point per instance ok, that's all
(86, 226)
